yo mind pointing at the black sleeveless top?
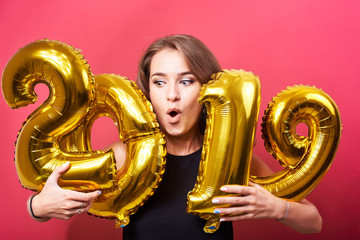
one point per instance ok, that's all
(164, 215)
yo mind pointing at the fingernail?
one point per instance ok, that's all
(122, 225)
(217, 211)
(66, 163)
(99, 192)
(215, 200)
(222, 219)
(223, 189)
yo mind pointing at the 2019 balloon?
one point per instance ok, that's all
(59, 130)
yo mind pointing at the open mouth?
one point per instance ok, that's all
(173, 113)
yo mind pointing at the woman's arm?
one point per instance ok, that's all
(255, 202)
(55, 202)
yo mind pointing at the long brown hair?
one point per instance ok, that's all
(200, 60)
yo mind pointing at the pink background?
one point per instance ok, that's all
(284, 42)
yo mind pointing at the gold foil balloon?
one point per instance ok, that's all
(60, 129)
(232, 100)
(121, 100)
(306, 158)
(39, 147)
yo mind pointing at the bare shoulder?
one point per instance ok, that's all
(259, 168)
(119, 149)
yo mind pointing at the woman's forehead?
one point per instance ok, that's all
(168, 61)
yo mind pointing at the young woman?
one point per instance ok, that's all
(171, 73)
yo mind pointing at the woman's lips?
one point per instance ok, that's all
(173, 115)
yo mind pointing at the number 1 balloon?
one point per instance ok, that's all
(232, 101)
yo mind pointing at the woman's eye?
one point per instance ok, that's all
(159, 82)
(186, 82)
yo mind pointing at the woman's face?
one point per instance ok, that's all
(174, 91)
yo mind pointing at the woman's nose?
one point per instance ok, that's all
(173, 93)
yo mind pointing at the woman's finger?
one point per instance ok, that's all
(237, 217)
(76, 205)
(82, 197)
(236, 200)
(56, 174)
(79, 207)
(238, 189)
(234, 210)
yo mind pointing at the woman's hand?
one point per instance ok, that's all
(252, 202)
(55, 202)
(255, 202)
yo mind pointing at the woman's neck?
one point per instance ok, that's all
(181, 146)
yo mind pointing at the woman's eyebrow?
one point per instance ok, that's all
(161, 74)
(158, 74)
(184, 73)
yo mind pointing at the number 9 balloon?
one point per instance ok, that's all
(60, 129)
(306, 158)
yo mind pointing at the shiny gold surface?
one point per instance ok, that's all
(39, 147)
(305, 159)
(137, 180)
(120, 99)
(232, 100)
